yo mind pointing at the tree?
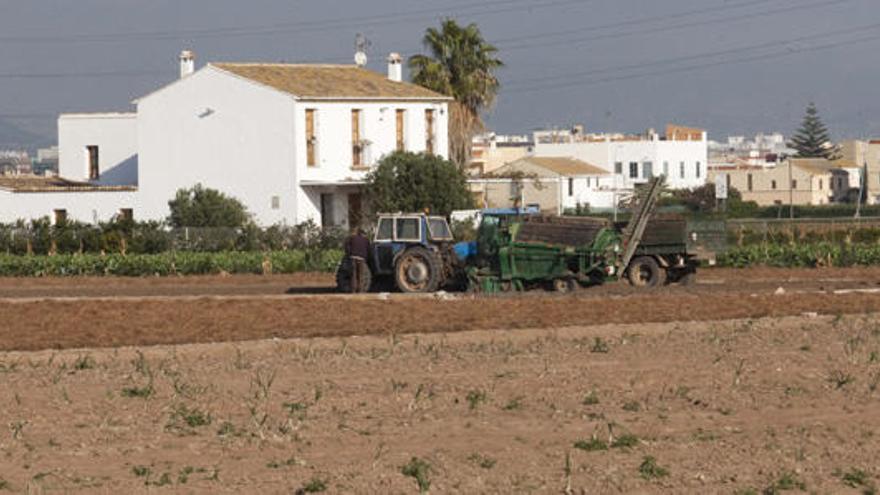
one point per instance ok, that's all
(201, 207)
(702, 201)
(812, 140)
(461, 65)
(411, 182)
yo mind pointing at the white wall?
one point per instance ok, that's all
(596, 191)
(87, 207)
(605, 154)
(224, 132)
(115, 135)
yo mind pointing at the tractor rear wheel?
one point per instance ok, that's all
(417, 271)
(645, 272)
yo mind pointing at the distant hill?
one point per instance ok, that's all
(13, 136)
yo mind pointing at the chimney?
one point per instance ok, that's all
(187, 63)
(395, 67)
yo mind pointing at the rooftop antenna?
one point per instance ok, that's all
(361, 45)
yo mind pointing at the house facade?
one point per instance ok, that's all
(681, 154)
(795, 181)
(292, 142)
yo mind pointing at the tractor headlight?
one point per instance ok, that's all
(617, 248)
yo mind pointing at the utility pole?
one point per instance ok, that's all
(790, 192)
(863, 177)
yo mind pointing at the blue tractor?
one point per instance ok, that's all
(412, 252)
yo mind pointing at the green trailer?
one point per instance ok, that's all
(516, 252)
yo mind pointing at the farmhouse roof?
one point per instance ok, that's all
(324, 81)
(815, 166)
(557, 166)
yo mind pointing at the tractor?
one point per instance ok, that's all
(412, 252)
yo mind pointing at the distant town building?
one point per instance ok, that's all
(798, 181)
(491, 151)
(46, 162)
(14, 162)
(863, 155)
(681, 154)
(764, 150)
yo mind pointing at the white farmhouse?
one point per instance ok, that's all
(681, 155)
(293, 142)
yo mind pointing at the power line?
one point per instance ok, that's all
(82, 75)
(789, 52)
(714, 54)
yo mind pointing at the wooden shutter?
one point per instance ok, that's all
(310, 138)
(401, 120)
(356, 148)
(429, 131)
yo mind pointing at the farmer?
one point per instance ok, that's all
(357, 248)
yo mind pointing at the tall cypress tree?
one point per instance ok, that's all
(812, 140)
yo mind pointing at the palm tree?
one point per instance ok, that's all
(461, 65)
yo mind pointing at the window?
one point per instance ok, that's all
(666, 169)
(571, 187)
(820, 184)
(727, 181)
(749, 180)
(60, 217)
(773, 185)
(276, 202)
(794, 184)
(126, 214)
(429, 131)
(401, 130)
(648, 170)
(618, 168)
(94, 163)
(408, 229)
(357, 147)
(633, 170)
(681, 170)
(439, 229)
(698, 170)
(311, 138)
(385, 232)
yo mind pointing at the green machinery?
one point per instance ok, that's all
(516, 252)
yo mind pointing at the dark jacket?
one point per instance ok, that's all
(357, 245)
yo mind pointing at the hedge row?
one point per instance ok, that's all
(171, 263)
(802, 255)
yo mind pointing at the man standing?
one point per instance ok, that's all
(357, 249)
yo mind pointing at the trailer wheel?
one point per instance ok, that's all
(645, 272)
(565, 285)
(417, 271)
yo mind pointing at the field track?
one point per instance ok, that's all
(70, 313)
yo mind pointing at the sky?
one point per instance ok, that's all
(730, 66)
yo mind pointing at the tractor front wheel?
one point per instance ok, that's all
(645, 272)
(417, 271)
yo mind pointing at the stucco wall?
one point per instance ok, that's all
(85, 207)
(812, 189)
(115, 135)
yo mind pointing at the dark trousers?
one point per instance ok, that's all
(358, 267)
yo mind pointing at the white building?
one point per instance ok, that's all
(681, 155)
(292, 142)
(764, 150)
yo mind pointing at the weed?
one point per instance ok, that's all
(184, 417)
(419, 470)
(163, 480)
(805, 348)
(592, 445)
(625, 441)
(514, 404)
(262, 383)
(316, 485)
(138, 392)
(840, 379)
(240, 362)
(475, 398)
(397, 386)
(141, 365)
(4, 485)
(649, 469)
(281, 464)
(591, 399)
(874, 381)
(17, 428)
(632, 406)
(141, 471)
(85, 362)
(745, 491)
(600, 346)
(8, 368)
(855, 478)
(482, 461)
(787, 481)
(227, 429)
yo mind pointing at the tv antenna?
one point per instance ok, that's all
(361, 45)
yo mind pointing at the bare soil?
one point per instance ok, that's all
(721, 407)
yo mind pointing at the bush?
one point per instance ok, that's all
(802, 255)
(201, 207)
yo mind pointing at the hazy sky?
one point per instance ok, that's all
(731, 66)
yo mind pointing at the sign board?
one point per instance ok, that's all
(721, 186)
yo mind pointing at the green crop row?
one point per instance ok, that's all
(802, 255)
(171, 263)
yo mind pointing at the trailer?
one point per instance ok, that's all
(517, 252)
